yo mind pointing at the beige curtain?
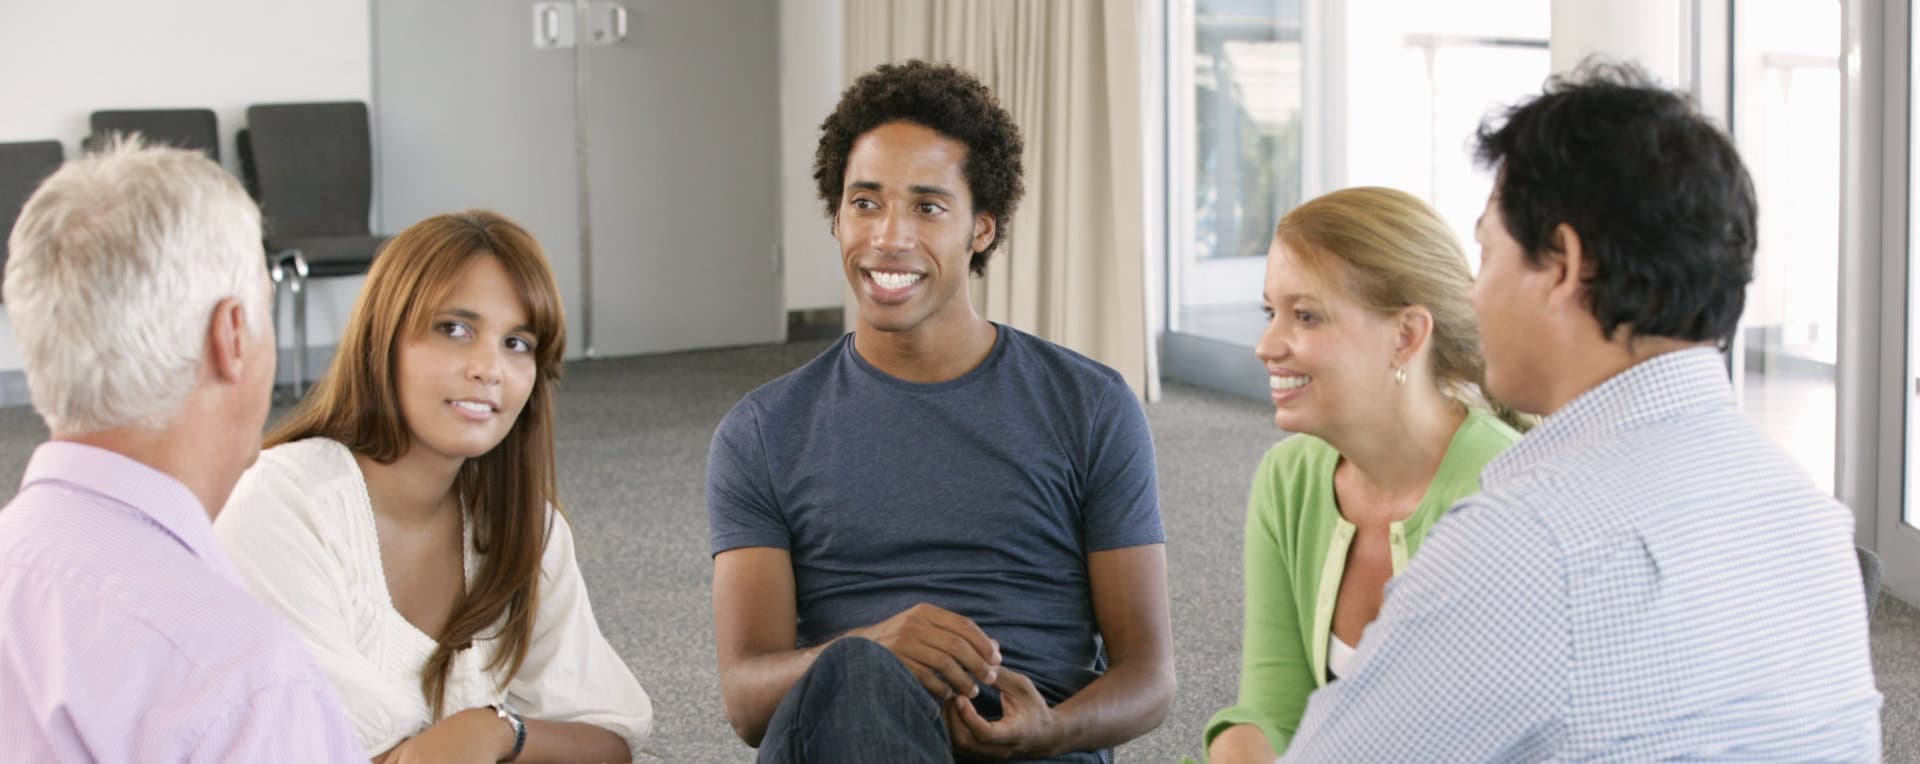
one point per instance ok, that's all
(1068, 71)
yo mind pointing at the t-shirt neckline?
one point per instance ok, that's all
(1000, 341)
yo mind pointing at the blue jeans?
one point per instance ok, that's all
(859, 704)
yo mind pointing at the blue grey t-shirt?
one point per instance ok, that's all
(982, 495)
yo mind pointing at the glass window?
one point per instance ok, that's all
(1786, 92)
(1270, 103)
(1468, 79)
(1420, 79)
(1235, 85)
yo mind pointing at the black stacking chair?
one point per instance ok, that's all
(22, 167)
(183, 128)
(311, 167)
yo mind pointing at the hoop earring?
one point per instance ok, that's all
(1400, 375)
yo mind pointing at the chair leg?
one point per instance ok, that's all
(281, 276)
(299, 284)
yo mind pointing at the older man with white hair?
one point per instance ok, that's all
(138, 296)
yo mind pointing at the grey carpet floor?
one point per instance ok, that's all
(633, 439)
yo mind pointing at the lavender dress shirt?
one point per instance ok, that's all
(126, 635)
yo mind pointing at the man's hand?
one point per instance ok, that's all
(475, 735)
(1024, 729)
(946, 651)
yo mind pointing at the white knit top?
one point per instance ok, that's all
(300, 529)
(1339, 654)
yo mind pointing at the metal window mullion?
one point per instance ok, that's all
(1869, 423)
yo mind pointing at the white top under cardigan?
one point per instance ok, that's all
(1339, 654)
(300, 528)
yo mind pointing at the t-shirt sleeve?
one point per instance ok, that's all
(1122, 506)
(741, 508)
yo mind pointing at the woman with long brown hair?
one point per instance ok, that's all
(403, 516)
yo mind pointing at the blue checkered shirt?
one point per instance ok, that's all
(1644, 577)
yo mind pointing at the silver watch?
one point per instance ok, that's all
(519, 729)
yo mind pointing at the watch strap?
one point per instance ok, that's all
(519, 729)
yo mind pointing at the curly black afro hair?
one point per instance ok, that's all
(941, 98)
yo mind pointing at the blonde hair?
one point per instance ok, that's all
(1389, 250)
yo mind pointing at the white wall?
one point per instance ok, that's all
(64, 60)
(810, 85)
(1657, 34)
(228, 54)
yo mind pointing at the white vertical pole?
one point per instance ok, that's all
(1657, 34)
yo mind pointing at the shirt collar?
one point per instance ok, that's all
(157, 496)
(1656, 389)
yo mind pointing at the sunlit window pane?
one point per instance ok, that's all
(1786, 85)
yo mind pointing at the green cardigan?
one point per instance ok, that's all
(1296, 552)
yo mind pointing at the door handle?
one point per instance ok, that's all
(552, 25)
(609, 20)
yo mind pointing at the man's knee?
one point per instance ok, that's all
(848, 674)
(860, 673)
(856, 689)
(858, 659)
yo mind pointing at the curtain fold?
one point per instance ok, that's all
(1068, 71)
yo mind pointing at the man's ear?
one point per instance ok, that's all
(227, 335)
(984, 228)
(1571, 269)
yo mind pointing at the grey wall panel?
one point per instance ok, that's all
(684, 143)
(468, 114)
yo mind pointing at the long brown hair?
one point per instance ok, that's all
(1390, 250)
(507, 490)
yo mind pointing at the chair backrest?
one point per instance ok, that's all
(312, 167)
(1869, 575)
(182, 128)
(22, 167)
(249, 174)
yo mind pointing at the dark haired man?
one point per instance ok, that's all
(942, 536)
(1644, 577)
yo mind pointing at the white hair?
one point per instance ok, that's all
(115, 266)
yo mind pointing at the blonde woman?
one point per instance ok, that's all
(1373, 357)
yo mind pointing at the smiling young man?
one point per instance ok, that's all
(942, 536)
(1644, 577)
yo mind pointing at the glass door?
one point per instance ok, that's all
(1235, 86)
(1897, 534)
(1786, 120)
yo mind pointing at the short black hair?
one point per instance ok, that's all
(1662, 204)
(947, 101)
